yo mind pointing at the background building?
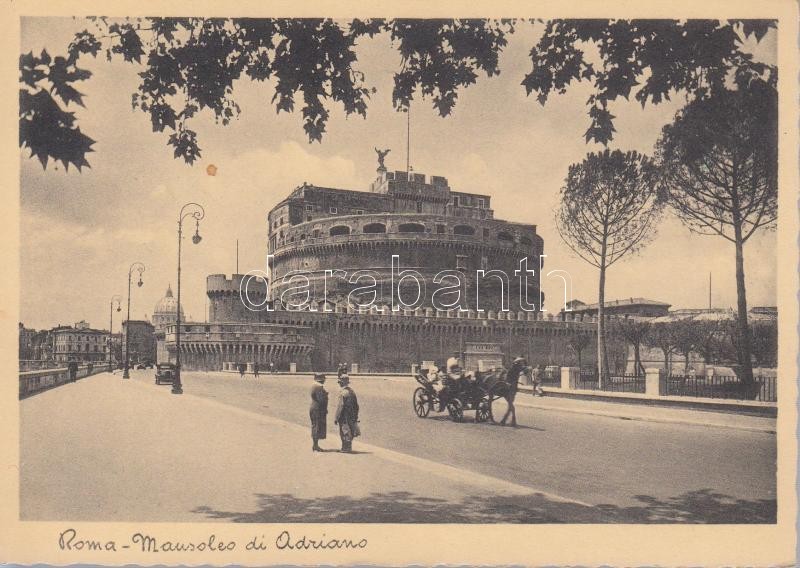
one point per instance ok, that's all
(641, 307)
(26, 336)
(139, 337)
(79, 343)
(164, 314)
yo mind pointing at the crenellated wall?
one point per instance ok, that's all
(378, 339)
(385, 341)
(225, 299)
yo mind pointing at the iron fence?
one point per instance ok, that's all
(625, 383)
(616, 382)
(587, 379)
(762, 389)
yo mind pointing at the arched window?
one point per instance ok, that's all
(316, 233)
(463, 230)
(411, 228)
(339, 230)
(505, 238)
(375, 228)
(303, 237)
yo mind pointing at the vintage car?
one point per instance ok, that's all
(165, 373)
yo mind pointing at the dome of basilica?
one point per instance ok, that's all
(164, 311)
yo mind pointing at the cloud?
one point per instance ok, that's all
(76, 264)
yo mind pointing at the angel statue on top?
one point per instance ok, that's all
(382, 157)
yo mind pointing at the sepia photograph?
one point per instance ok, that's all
(302, 279)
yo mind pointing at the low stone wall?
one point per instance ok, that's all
(33, 382)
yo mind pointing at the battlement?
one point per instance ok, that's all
(220, 284)
(409, 182)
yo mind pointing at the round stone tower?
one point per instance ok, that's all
(237, 299)
(418, 218)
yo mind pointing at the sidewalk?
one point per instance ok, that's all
(131, 451)
(635, 410)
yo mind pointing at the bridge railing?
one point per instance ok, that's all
(32, 382)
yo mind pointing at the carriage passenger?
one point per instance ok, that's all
(452, 379)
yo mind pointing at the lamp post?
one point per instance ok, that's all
(115, 298)
(189, 210)
(140, 268)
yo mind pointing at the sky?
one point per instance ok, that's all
(80, 232)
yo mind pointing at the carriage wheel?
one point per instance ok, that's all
(422, 402)
(456, 410)
(483, 412)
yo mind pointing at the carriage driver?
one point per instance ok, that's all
(451, 379)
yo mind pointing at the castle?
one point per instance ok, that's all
(429, 227)
(408, 219)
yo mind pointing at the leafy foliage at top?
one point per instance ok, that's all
(44, 126)
(649, 59)
(189, 65)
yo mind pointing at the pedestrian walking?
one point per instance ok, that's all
(347, 414)
(271, 368)
(536, 379)
(512, 379)
(241, 370)
(72, 369)
(318, 412)
(255, 369)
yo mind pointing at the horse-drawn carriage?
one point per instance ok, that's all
(478, 391)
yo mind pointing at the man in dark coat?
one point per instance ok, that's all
(72, 368)
(512, 378)
(347, 414)
(318, 411)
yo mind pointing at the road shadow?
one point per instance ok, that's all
(471, 422)
(701, 506)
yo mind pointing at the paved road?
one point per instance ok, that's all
(593, 459)
(557, 467)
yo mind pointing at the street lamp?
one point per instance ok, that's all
(140, 268)
(189, 210)
(118, 299)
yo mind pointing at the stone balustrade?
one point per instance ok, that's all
(32, 382)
